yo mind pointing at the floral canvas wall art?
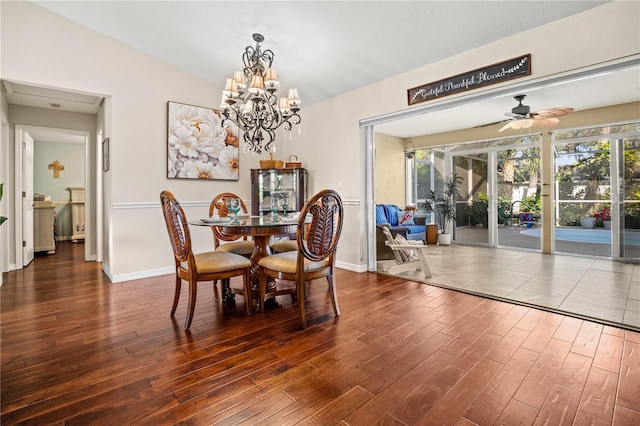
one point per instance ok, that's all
(199, 147)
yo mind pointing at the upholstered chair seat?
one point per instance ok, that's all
(284, 246)
(243, 248)
(212, 262)
(287, 263)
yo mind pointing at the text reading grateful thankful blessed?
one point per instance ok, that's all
(492, 74)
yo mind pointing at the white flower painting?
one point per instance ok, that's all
(199, 147)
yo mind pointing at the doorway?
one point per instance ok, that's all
(24, 191)
(67, 112)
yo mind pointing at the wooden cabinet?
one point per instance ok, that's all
(43, 226)
(77, 213)
(267, 184)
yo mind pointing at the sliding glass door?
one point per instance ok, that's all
(500, 182)
(628, 206)
(472, 207)
(597, 191)
(583, 195)
(518, 197)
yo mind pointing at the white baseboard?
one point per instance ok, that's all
(170, 270)
(351, 267)
(138, 275)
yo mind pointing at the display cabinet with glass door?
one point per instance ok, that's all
(278, 189)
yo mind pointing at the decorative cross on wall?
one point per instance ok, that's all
(56, 167)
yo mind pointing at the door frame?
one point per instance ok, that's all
(88, 171)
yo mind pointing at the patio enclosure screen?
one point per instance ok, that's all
(597, 191)
(499, 179)
(596, 195)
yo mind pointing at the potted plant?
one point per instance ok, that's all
(443, 205)
(588, 222)
(604, 215)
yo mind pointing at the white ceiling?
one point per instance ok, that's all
(325, 48)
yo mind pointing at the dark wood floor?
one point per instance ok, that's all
(79, 350)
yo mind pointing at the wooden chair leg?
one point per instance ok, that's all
(300, 287)
(215, 289)
(193, 286)
(176, 295)
(332, 292)
(246, 290)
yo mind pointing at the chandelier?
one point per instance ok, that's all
(250, 102)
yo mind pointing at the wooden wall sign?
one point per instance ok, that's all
(492, 74)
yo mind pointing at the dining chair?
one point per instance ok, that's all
(283, 246)
(206, 266)
(315, 256)
(238, 244)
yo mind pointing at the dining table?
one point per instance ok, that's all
(260, 229)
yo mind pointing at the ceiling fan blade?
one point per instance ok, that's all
(553, 112)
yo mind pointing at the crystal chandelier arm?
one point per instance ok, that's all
(291, 121)
(243, 121)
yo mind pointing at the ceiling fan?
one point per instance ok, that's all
(523, 118)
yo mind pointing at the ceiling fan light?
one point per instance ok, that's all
(524, 123)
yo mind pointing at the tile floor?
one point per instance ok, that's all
(594, 289)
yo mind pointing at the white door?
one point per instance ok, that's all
(27, 198)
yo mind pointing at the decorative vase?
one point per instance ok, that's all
(588, 222)
(607, 224)
(444, 239)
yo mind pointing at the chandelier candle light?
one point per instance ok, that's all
(250, 102)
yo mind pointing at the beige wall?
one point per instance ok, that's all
(389, 170)
(331, 147)
(554, 51)
(138, 87)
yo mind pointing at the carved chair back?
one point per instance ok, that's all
(318, 240)
(219, 204)
(177, 227)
